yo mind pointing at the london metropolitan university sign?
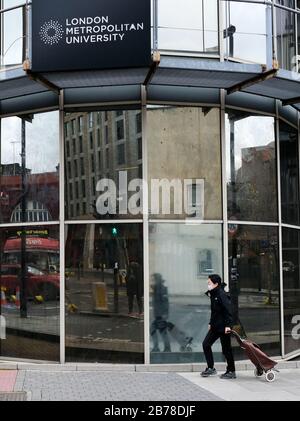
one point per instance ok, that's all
(90, 34)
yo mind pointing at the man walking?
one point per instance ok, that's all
(220, 326)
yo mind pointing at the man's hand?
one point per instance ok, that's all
(209, 327)
(227, 330)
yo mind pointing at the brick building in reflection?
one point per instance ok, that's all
(41, 193)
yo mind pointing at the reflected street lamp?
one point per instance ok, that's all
(228, 33)
(13, 143)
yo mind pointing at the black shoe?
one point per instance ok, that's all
(155, 349)
(209, 372)
(167, 349)
(228, 375)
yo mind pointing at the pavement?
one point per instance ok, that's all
(122, 383)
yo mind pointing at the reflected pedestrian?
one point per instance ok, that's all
(160, 304)
(220, 326)
(135, 287)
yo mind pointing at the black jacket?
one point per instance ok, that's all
(134, 280)
(221, 315)
(160, 300)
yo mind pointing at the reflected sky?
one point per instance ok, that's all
(249, 132)
(42, 137)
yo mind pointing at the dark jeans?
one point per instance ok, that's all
(139, 303)
(210, 339)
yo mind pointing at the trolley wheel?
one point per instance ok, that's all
(258, 372)
(187, 348)
(270, 376)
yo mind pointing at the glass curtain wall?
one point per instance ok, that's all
(104, 261)
(286, 36)
(190, 25)
(184, 153)
(247, 33)
(251, 167)
(253, 250)
(254, 285)
(291, 288)
(289, 173)
(29, 255)
(12, 42)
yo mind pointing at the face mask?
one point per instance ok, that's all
(210, 287)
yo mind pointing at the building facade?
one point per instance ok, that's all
(195, 161)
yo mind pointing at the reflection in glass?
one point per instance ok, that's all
(29, 177)
(254, 284)
(245, 36)
(184, 146)
(29, 281)
(289, 169)
(181, 258)
(104, 293)
(251, 167)
(192, 25)
(12, 41)
(98, 146)
(286, 36)
(291, 288)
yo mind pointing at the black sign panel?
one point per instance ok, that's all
(90, 34)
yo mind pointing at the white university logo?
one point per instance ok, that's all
(51, 32)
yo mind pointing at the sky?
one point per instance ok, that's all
(42, 142)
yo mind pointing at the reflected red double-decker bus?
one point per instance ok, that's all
(41, 268)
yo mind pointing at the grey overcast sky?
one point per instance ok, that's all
(42, 137)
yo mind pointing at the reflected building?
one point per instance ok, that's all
(99, 145)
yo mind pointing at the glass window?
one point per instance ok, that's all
(254, 285)
(181, 258)
(93, 163)
(184, 147)
(71, 191)
(286, 37)
(120, 130)
(192, 25)
(121, 154)
(289, 169)
(139, 123)
(104, 293)
(106, 135)
(12, 41)
(80, 124)
(140, 147)
(75, 168)
(118, 193)
(291, 288)
(91, 120)
(69, 170)
(251, 167)
(29, 275)
(83, 187)
(39, 172)
(245, 35)
(73, 125)
(68, 149)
